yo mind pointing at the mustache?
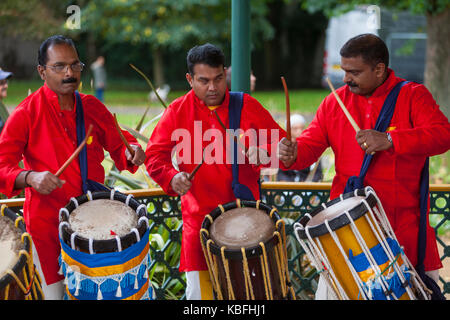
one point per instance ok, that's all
(351, 84)
(69, 80)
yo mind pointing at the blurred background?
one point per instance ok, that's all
(297, 39)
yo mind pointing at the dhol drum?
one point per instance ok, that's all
(105, 247)
(351, 243)
(244, 243)
(19, 279)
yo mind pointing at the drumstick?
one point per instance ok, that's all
(122, 136)
(288, 110)
(349, 117)
(76, 152)
(191, 176)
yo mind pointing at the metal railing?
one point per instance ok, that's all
(292, 201)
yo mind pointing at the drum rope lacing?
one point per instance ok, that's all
(318, 255)
(280, 257)
(31, 288)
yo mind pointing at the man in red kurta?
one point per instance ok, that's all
(42, 132)
(418, 130)
(190, 124)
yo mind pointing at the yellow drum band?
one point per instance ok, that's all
(106, 270)
(349, 242)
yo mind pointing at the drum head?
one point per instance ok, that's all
(10, 244)
(242, 228)
(103, 219)
(334, 210)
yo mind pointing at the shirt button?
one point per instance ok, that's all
(367, 116)
(370, 101)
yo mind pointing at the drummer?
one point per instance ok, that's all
(42, 130)
(196, 113)
(418, 130)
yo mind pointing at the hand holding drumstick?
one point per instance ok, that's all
(45, 182)
(134, 153)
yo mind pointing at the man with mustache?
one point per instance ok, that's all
(4, 114)
(42, 131)
(417, 130)
(207, 102)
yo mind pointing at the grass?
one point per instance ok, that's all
(131, 95)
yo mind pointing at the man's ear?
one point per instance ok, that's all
(189, 79)
(41, 71)
(380, 69)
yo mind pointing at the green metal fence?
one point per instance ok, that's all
(292, 201)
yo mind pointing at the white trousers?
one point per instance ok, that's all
(53, 291)
(325, 293)
(198, 286)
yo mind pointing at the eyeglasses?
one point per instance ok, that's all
(62, 68)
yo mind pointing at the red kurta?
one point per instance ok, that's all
(45, 136)
(211, 185)
(418, 129)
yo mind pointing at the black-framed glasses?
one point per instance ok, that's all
(60, 68)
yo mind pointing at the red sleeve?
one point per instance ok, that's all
(430, 132)
(13, 141)
(159, 152)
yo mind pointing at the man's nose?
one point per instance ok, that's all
(69, 70)
(211, 86)
(346, 78)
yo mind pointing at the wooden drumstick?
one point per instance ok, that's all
(76, 152)
(130, 149)
(191, 176)
(288, 110)
(349, 117)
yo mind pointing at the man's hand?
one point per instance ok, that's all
(139, 155)
(180, 183)
(257, 156)
(43, 182)
(287, 151)
(372, 141)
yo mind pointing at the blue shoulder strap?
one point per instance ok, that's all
(234, 110)
(383, 121)
(87, 184)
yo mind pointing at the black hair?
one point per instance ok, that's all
(53, 40)
(370, 47)
(208, 54)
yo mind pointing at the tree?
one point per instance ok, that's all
(164, 24)
(437, 12)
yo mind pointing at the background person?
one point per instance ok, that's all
(298, 123)
(4, 114)
(99, 73)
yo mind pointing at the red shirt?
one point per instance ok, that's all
(211, 185)
(45, 136)
(418, 129)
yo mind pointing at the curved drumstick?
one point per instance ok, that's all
(288, 110)
(122, 136)
(76, 152)
(348, 115)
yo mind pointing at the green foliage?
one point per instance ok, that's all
(336, 7)
(165, 23)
